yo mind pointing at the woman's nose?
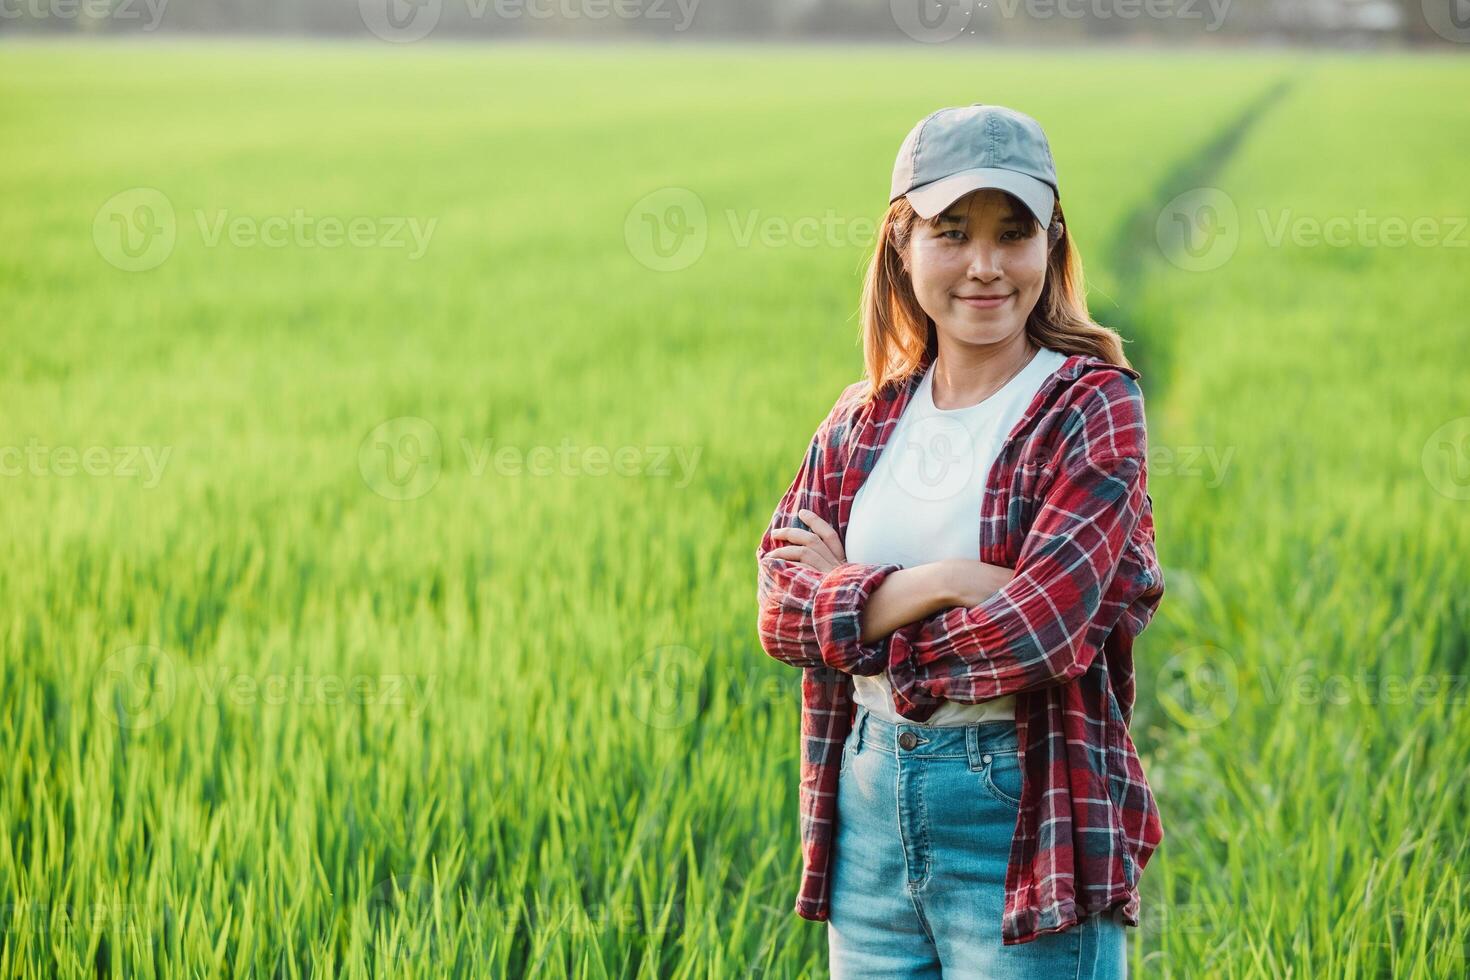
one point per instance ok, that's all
(984, 262)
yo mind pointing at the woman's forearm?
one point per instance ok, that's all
(911, 594)
(906, 596)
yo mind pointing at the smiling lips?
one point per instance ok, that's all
(985, 302)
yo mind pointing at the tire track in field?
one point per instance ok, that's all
(1135, 247)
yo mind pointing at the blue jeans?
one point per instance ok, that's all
(924, 827)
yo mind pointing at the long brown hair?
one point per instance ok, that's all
(897, 332)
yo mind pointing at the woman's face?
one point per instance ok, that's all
(979, 247)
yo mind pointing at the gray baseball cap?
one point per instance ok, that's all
(954, 151)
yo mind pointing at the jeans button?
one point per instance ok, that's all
(908, 740)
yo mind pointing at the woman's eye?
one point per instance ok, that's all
(1007, 236)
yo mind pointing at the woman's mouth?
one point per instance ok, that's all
(984, 303)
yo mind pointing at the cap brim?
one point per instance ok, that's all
(934, 197)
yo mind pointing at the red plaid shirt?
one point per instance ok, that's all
(1067, 507)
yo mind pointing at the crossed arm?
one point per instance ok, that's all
(907, 595)
(817, 609)
(1086, 559)
(808, 615)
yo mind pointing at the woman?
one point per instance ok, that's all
(960, 568)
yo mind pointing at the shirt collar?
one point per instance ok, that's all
(1074, 367)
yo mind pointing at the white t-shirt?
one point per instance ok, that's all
(921, 503)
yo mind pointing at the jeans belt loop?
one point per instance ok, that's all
(972, 747)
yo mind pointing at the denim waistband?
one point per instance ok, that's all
(929, 741)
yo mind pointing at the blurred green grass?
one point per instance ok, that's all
(582, 729)
(1317, 792)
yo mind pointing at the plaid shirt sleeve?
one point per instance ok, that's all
(809, 618)
(1045, 625)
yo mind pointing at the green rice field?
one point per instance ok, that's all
(386, 433)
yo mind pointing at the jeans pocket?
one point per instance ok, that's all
(1003, 777)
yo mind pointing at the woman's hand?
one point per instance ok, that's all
(820, 547)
